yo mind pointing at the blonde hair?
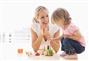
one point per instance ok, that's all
(37, 10)
(61, 13)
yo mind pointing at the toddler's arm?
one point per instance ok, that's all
(75, 36)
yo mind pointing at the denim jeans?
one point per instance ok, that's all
(70, 44)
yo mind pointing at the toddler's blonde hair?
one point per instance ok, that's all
(61, 13)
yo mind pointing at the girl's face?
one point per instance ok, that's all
(60, 22)
(43, 17)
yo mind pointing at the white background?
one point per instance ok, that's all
(16, 17)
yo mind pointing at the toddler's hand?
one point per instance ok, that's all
(66, 36)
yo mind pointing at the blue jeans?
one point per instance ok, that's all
(70, 44)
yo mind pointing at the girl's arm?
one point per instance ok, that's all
(36, 40)
(55, 42)
(75, 36)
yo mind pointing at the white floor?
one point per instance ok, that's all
(10, 43)
(8, 52)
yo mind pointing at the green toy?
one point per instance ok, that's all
(49, 51)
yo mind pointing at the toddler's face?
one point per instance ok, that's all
(60, 22)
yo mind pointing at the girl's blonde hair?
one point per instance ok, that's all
(37, 10)
(61, 13)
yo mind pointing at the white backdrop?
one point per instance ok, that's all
(16, 15)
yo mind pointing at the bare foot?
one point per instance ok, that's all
(62, 54)
(71, 57)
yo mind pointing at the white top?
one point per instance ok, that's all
(52, 30)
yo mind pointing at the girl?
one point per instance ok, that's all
(72, 41)
(43, 33)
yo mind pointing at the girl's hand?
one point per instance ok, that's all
(51, 39)
(46, 32)
(43, 28)
(67, 36)
(47, 35)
